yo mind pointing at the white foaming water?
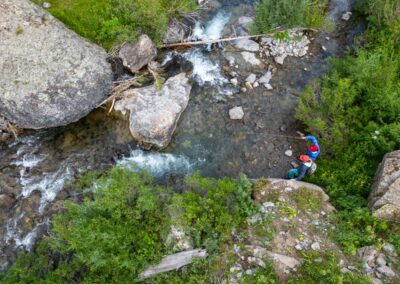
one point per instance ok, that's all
(213, 29)
(49, 185)
(16, 234)
(158, 164)
(204, 71)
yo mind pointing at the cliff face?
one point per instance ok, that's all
(384, 199)
(49, 76)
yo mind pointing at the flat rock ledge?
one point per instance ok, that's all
(154, 114)
(49, 76)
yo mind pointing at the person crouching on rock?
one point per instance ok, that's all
(301, 171)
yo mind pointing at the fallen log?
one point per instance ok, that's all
(173, 262)
(211, 41)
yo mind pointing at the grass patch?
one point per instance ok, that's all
(279, 14)
(19, 30)
(306, 198)
(111, 22)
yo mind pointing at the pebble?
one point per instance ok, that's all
(244, 90)
(234, 81)
(248, 86)
(323, 48)
(346, 16)
(256, 84)
(251, 78)
(268, 204)
(288, 153)
(279, 59)
(236, 113)
(315, 246)
(46, 5)
(298, 247)
(268, 86)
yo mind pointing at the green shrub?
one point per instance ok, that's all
(324, 268)
(108, 22)
(274, 14)
(357, 228)
(210, 208)
(122, 226)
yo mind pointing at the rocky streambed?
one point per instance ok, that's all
(262, 79)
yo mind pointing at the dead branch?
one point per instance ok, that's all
(121, 87)
(202, 42)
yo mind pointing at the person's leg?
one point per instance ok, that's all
(293, 173)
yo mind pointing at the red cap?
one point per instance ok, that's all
(313, 148)
(304, 158)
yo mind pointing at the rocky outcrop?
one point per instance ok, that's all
(379, 264)
(296, 44)
(136, 56)
(49, 76)
(297, 213)
(384, 199)
(154, 114)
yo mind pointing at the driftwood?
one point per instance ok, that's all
(173, 262)
(118, 90)
(202, 42)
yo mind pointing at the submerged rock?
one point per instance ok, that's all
(250, 58)
(247, 45)
(154, 114)
(236, 113)
(384, 199)
(49, 76)
(136, 56)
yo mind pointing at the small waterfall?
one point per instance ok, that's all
(158, 164)
(204, 71)
(213, 29)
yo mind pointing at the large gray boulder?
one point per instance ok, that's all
(136, 56)
(154, 114)
(384, 199)
(49, 76)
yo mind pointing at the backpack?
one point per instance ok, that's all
(311, 169)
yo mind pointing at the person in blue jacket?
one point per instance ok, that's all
(313, 150)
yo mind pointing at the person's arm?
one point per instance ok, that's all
(312, 139)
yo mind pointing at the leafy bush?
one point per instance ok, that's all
(108, 22)
(273, 14)
(210, 208)
(324, 268)
(358, 228)
(122, 227)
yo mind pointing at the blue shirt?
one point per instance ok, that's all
(313, 155)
